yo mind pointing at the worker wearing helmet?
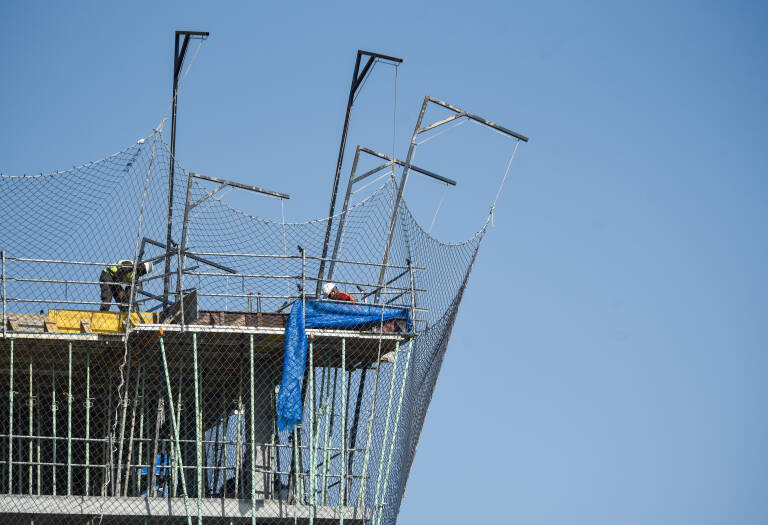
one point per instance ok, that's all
(113, 278)
(330, 290)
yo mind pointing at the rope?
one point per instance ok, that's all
(175, 97)
(437, 210)
(503, 180)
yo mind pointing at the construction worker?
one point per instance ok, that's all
(113, 278)
(332, 292)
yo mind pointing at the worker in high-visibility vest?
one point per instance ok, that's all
(112, 280)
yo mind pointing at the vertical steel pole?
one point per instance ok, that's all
(339, 161)
(198, 433)
(253, 441)
(330, 416)
(181, 286)
(400, 189)
(301, 484)
(343, 217)
(39, 424)
(185, 222)
(312, 445)
(239, 444)
(343, 434)
(87, 420)
(10, 425)
(176, 69)
(54, 408)
(141, 431)
(69, 421)
(31, 404)
(296, 474)
(5, 323)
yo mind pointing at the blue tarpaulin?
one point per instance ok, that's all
(319, 314)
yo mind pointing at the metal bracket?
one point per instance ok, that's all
(353, 180)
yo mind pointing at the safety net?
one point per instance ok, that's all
(231, 368)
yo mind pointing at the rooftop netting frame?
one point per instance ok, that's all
(178, 408)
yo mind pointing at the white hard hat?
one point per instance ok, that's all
(328, 288)
(148, 267)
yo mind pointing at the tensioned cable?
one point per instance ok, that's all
(501, 186)
(175, 97)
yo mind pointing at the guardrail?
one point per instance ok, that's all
(242, 288)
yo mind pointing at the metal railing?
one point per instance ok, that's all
(63, 283)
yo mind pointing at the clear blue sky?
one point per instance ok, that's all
(608, 365)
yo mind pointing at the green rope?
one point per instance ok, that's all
(175, 432)
(198, 434)
(394, 429)
(377, 492)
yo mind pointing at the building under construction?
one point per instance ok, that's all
(226, 385)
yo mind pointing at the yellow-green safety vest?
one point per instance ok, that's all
(128, 277)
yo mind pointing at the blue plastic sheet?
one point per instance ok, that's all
(319, 314)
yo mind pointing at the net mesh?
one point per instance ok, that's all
(155, 395)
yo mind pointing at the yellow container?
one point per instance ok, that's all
(71, 321)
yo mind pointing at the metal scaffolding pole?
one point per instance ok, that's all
(357, 80)
(30, 412)
(178, 62)
(5, 322)
(342, 480)
(10, 424)
(87, 420)
(312, 438)
(253, 440)
(198, 433)
(69, 421)
(54, 408)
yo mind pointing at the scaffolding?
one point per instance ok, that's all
(169, 409)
